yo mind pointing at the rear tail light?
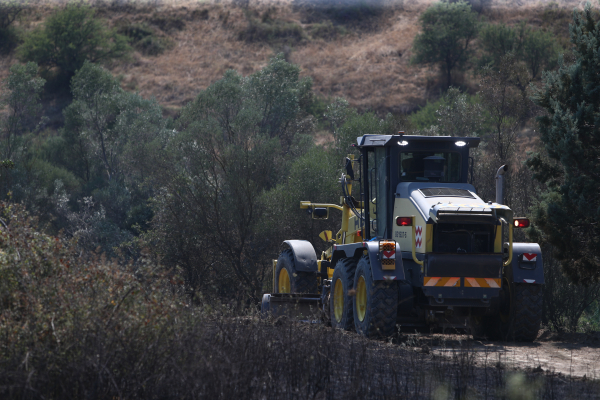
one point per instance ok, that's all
(521, 222)
(404, 221)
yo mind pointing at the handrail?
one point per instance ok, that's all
(510, 243)
(306, 204)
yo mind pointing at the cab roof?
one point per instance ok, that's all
(395, 140)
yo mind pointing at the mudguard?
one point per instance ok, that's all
(305, 258)
(357, 250)
(527, 264)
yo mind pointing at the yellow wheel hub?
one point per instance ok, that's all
(284, 281)
(361, 298)
(338, 300)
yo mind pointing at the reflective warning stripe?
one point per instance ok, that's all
(441, 281)
(483, 282)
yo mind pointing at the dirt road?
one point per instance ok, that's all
(576, 355)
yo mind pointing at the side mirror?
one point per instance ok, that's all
(320, 213)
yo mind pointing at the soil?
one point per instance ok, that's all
(570, 354)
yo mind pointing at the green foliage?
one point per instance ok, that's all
(144, 39)
(21, 102)
(168, 23)
(326, 30)
(109, 145)
(357, 13)
(568, 214)
(540, 51)
(9, 11)
(536, 48)
(454, 114)
(498, 40)
(269, 29)
(447, 31)
(68, 38)
(503, 94)
(234, 143)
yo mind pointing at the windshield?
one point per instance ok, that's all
(429, 166)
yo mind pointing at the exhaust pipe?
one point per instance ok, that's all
(500, 184)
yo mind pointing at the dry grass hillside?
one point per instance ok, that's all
(366, 60)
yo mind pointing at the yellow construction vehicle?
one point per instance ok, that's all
(419, 249)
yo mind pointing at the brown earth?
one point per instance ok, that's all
(570, 354)
(369, 65)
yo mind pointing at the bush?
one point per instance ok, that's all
(271, 30)
(447, 30)
(536, 48)
(357, 13)
(78, 326)
(67, 39)
(9, 11)
(169, 23)
(326, 30)
(144, 39)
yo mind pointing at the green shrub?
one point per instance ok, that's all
(9, 39)
(447, 30)
(326, 30)
(357, 13)
(9, 11)
(168, 23)
(271, 30)
(67, 39)
(144, 39)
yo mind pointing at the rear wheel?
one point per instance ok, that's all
(375, 303)
(520, 313)
(340, 302)
(288, 280)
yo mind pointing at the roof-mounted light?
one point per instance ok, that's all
(402, 143)
(460, 143)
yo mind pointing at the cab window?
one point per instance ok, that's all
(428, 166)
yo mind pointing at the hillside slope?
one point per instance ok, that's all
(363, 59)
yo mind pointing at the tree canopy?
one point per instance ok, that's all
(568, 215)
(447, 31)
(68, 38)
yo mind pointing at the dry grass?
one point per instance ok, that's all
(369, 67)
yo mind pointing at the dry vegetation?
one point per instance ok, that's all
(367, 63)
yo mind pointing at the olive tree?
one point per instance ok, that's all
(447, 29)
(233, 143)
(68, 38)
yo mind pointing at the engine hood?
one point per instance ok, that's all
(437, 201)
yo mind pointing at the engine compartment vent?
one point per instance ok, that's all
(446, 192)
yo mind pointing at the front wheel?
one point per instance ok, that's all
(288, 280)
(340, 303)
(375, 303)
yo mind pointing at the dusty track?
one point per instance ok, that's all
(576, 355)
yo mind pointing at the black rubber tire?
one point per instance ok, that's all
(381, 304)
(528, 315)
(300, 282)
(344, 271)
(520, 315)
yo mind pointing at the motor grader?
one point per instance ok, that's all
(418, 249)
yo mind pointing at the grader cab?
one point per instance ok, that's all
(418, 249)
